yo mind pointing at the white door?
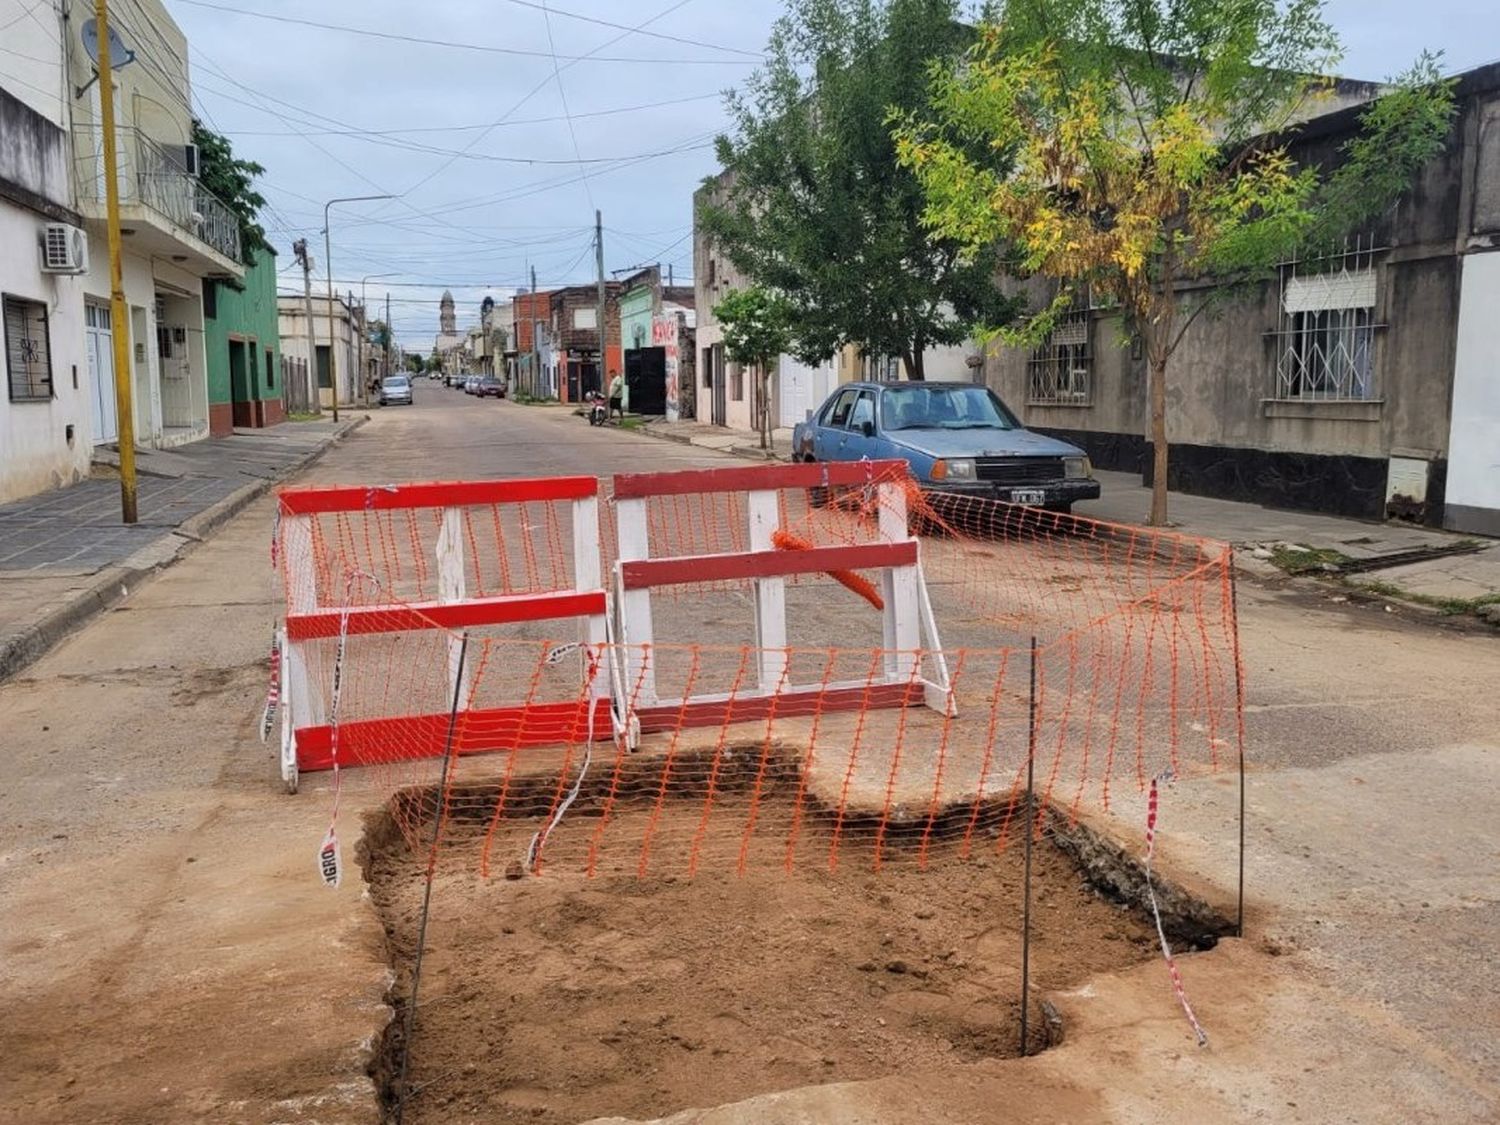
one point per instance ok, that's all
(99, 347)
(1473, 493)
(803, 388)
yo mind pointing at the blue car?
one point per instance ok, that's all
(958, 438)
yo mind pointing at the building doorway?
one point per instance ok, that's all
(99, 349)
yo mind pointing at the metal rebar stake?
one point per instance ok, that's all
(437, 828)
(1030, 828)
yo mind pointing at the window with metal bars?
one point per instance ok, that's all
(1325, 346)
(1326, 354)
(1061, 370)
(28, 352)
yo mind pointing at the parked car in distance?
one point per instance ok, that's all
(471, 384)
(957, 438)
(490, 387)
(395, 389)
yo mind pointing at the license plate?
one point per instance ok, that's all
(1028, 496)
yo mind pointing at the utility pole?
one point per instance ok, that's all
(299, 249)
(124, 409)
(328, 254)
(669, 275)
(603, 333)
(536, 343)
(390, 337)
(357, 352)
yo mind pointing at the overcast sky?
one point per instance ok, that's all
(474, 215)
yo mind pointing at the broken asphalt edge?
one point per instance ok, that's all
(114, 584)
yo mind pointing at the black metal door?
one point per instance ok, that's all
(714, 359)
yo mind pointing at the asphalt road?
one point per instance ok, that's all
(167, 955)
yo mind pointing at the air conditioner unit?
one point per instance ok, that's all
(65, 249)
(190, 163)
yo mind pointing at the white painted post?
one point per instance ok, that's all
(902, 630)
(452, 587)
(635, 605)
(770, 594)
(301, 700)
(588, 575)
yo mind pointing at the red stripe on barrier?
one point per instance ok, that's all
(505, 610)
(786, 705)
(367, 742)
(436, 494)
(756, 478)
(643, 574)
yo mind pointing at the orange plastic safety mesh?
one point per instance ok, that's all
(848, 753)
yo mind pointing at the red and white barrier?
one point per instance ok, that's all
(908, 626)
(308, 738)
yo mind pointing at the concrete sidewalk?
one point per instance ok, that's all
(65, 555)
(1268, 541)
(742, 443)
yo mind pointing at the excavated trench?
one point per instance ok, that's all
(560, 998)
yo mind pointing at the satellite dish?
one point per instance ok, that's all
(119, 54)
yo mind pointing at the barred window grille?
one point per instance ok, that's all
(28, 351)
(1061, 370)
(1326, 343)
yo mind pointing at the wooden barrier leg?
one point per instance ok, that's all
(452, 587)
(902, 634)
(301, 698)
(635, 605)
(770, 596)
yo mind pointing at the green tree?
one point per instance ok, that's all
(1150, 154)
(434, 361)
(757, 329)
(414, 363)
(817, 208)
(232, 181)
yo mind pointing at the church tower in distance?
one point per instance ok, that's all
(447, 322)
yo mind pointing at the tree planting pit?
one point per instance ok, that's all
(558, 998)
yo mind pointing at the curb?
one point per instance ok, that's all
(114, 584)
(749, 452)
(31, 644)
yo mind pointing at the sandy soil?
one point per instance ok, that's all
(557, 998)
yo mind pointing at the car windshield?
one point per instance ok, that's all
(395, 382)
(943, 408)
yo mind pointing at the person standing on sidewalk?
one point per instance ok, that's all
(617, 396)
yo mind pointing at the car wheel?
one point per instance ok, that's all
(817, 496)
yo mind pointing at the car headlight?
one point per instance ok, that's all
(1076, 468)
(960, 468)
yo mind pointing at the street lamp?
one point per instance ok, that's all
(328, 256)
(364, 325)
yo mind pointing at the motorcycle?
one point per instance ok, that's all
(598, 408)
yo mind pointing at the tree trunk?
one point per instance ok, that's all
(1158, 367)
(765, 405)
(911, 360)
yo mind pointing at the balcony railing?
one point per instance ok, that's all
(154, 175)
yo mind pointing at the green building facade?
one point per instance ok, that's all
(243, 345)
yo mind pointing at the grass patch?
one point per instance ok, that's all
(1448, 607)
(631, 423)
(1313, 561)
(304, 416)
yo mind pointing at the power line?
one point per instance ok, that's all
(535, 89)
(649, 34)
(562, 95)
(455, 45)
(433, 150)
(356, 132)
